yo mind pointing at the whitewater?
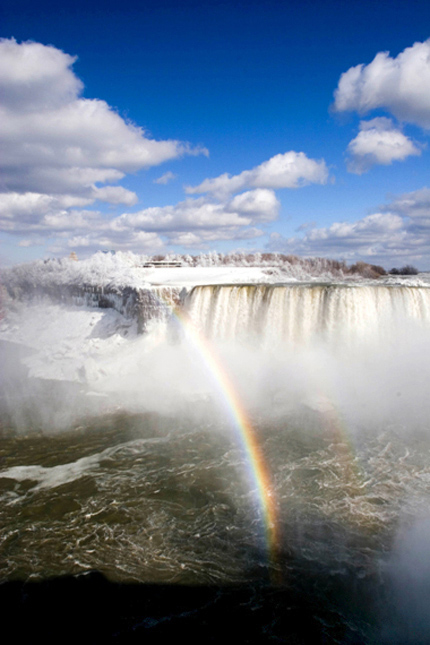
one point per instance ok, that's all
(260, 431)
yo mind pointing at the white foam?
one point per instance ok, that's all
(53, 476)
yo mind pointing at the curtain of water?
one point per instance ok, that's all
(301, 314)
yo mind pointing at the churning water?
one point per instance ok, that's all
(152, 481)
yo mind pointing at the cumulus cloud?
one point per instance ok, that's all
(400, 85)
(166, 178)
(398, 233)
(89, 231)
(47, 126)
(289, 170)
(261, 205)
(198, 221)
(59, 150)
(370, 238)
(29, 212)
(378, 142)
(203, 239)
(191, 223)
(63, 154)
(139, 241)
(115, 195)
(187, 215)
(414, 206)
(30, 72)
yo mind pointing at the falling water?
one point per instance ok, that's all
(299, 314)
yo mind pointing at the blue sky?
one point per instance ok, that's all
(191, 126)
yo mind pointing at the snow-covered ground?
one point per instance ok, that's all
(67, 343)
(194, 276)
(127, 270)
(82, 343)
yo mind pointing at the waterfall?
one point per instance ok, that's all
(300, 314)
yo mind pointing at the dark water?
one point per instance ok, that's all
(161, 508)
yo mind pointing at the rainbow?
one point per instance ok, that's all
(257, 467)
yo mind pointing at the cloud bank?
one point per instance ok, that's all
(193, 223)
(398, 233)
(64, 153)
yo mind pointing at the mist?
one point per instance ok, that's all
(72, 362)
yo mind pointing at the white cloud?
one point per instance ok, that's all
(78, 241)
(378, 142)
(203, 239)
(166, 178)
(45, 123)
(260, 204)
(193, 223)
(414, 207)
(59, 149)
(203, 213)
(398, 234)
(61, 153)
(32, 206)
(34, 77)
(115, 195)
(289, 170)
(188, 215)
(400, 85)
(372, 238)
(32, 242)
(139, 242)
(32, 212)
